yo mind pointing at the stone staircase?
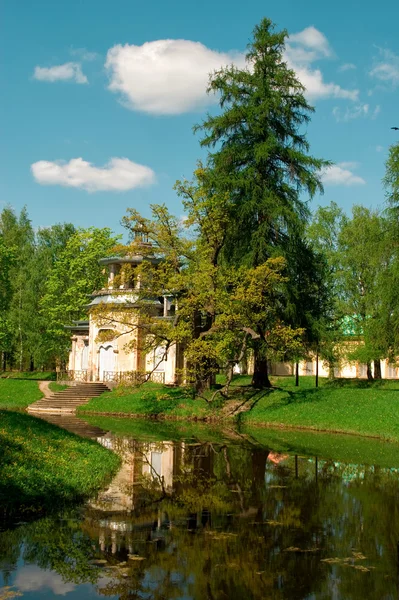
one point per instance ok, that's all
(67, 401)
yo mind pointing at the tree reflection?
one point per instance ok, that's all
(215, 521)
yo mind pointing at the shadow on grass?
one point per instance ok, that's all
(386, 384)
(44, 467)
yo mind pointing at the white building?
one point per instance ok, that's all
(120, 358)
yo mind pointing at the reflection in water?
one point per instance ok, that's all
(215, 521)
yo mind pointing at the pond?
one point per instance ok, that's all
(199, 514)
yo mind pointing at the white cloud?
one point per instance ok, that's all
(315, 43)
(341, 174)
(31, 579)
(318, 89)
(168, 77)
(304, 48)
(118, 175)
(355, 112)
(70, 71)
(386, 68)
(379, 148)
(347, 67)
(165, 76)
(84, 54)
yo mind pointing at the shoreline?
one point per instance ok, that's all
(220, 421)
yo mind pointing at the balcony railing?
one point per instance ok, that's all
(133, 377)
(125, 377)
(81, 376)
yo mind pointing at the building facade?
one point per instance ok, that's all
(110, 348)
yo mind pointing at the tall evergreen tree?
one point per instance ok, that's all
(259, 155)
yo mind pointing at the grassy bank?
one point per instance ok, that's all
(33, 375)
(17, 395)
(346, 406)
(43, 466)
(151, 399)
(56, 387)
(335, 447)
(340, 406)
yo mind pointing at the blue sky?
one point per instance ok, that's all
(99, 84)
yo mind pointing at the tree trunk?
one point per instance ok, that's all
(377, 369)
(260, 378)
(331, 374)
(201, 385)
(297, 374)
(244, 365)
(317, 367)
(369, 372)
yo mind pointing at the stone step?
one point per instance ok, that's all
(68, 400)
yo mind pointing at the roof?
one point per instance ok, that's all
(129, 260)
(127, 300)
(78, 326)
(123, 299)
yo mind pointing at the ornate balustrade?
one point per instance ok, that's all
(133, 377)
(81, 376)
(126, 377)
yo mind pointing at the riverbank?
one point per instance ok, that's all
(341, 406)
(335, 447)
(43, 466)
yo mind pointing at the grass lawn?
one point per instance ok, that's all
(56, 387)
(150, 399)
(43, 466)
(346, 406)
(16, 394)
(340, 406)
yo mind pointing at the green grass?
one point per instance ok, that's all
(43, 466)
(17, 394)
(36, 375)
(57, 387)
(342, 405)
(348, 406)
(150, 399)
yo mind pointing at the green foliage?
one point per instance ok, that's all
(44, 466)
(391, 179)
(361, 271)
(75, 275)
(259, 158)
(26, 258)
(262, 157)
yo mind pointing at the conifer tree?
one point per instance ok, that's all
(259, 155)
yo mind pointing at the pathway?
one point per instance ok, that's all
(67, 401)
(44, 387)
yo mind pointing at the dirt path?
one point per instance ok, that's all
(44, 388)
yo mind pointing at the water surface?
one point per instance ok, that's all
(219, 516)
